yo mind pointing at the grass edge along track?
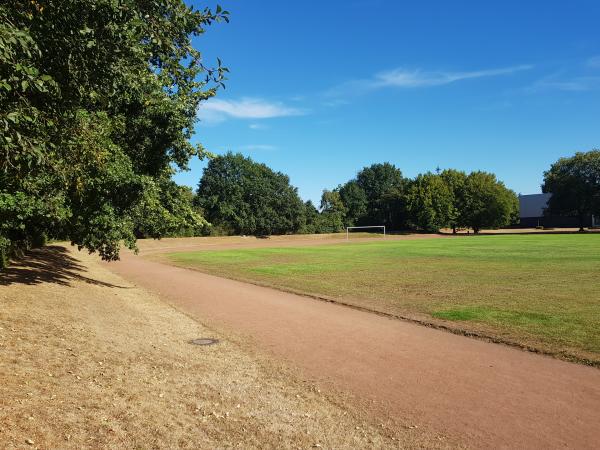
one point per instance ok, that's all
(539, 292)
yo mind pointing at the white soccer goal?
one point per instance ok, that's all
(366, 226)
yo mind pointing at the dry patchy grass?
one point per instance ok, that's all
(90, 361)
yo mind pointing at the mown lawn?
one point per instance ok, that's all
(536, 290)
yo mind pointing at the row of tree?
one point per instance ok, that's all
(239, 196)
(380, 195)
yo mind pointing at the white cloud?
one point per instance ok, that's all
(417, 78)
(217, 110)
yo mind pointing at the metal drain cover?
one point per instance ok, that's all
(204, 341)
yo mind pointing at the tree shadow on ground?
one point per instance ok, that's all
(50, 264)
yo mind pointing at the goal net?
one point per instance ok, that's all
(368, 228)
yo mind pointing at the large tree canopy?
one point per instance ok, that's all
(241, 196)
(332, 212)
(383, 185)
(355, 201)
(375, 196)
(166, 209)
(575, 185)
(430, 202)
(312, 219)
(98, 101)
(456, 181)
(487, 202)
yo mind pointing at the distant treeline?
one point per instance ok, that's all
(240, 196)
(98, 104)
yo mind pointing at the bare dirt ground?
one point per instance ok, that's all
(88, 360)
(150, 246)
(481, 394)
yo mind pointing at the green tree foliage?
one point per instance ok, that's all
(375, 197)
(383, 185)
(575, 185)
(166, 209)
(241, 196)
(98, 101)
(332, 212)
(430, 202)
(355, 201)
(381, 195)
(456, 180)
(488, 203)
(312, 219)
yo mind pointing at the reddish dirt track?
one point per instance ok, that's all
(481, 394)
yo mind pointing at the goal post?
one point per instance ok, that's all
(365, 226)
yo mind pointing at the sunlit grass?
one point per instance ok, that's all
(540, 290)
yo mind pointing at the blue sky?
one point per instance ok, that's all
(319, 90)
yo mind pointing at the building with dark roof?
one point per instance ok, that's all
(532, 214)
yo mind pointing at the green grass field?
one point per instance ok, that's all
(537, 290)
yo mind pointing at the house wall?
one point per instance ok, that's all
(553, 222)
(531, 214)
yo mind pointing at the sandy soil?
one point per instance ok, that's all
(88, 360)
(482, 394)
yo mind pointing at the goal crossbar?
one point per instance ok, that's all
(365, 226)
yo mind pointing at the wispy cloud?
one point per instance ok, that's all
(217, 110)
(593, 62)
(573, 77)
(417, 78)
(574, 84)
